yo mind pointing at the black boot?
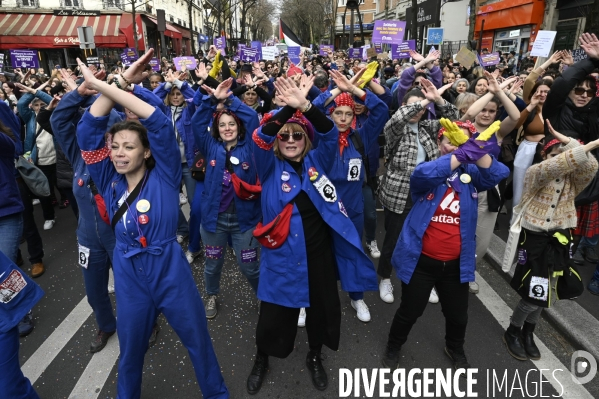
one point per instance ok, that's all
(513, 342)
(391, 358)
(254, 382)
(528, 340)
(319, 376)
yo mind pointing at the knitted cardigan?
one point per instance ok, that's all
(553, 185)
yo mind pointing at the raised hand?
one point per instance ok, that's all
(567, 58)
(222, 91)
(590, 44)
(248, 81)
(563, 139)
(306, 83)
(432, 56)
(341, 81)
(493, 85)
(53, 103)
(201, 71)
(416, 56)
(136, 72)
(429, 90)
(453, 132)
(290, 94)
(24, 88)
(90, 80)
(517, 86)
(443, 88)
(556, 56)
(507, 82)
(68, 79)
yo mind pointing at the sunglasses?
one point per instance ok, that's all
(297, 136)
(579, 91)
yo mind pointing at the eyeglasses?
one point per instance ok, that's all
(579, 91)
(297, 136)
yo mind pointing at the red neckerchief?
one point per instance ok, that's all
(343, 140)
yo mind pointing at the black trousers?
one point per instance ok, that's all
(46, 202)
(453, 296)
(35, 247)
(393, 225)
(277, 325)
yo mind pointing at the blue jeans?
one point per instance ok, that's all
(11, 229)
(586, 242)
(195, 219)
(188, 181)
(245, 245)
(369, 214)
(95, 277)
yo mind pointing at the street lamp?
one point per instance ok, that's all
(353, 6)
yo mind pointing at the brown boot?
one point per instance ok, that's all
(37, 269)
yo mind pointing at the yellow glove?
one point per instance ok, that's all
(233, 73)
(368, 74)
(217, 64)
(453, 132)
(490, 131)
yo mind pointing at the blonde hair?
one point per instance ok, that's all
(167, 100)
(465, 100)
(290, 128)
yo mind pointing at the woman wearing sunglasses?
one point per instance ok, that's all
(571, 107)
(231, 200)
(308, 239)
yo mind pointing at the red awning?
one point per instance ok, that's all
(40, 31)
(170, 31)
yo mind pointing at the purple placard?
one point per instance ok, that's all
(24, 59)
(124, 60)
(399, 51)
(293, 53)
(355, 53)
(323, 47)
(240, 46)
(256, 44)
(378, 47)
(220, 43)
(155, 63)
(250, 54)
(188, 61)
(390, 32)
(489, 59)
(131, 54)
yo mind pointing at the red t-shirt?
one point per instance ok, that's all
(442, 240)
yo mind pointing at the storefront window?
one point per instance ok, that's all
(110, 56)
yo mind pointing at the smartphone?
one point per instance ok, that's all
(57, 66)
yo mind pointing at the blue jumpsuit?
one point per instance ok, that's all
(153, 279)
(95, 237)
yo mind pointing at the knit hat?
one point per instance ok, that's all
(298, 118)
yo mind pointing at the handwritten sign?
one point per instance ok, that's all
(579, 54)
(388, 32)
(543, 43)
(269, 52)
(24, 59)
(188, 62)
(465, 57)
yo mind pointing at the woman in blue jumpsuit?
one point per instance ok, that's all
(322, 243)
(348, 173)
(152, 275)
(224, 213)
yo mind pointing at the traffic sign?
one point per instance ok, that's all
(435, 36)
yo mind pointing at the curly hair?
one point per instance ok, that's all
(240, 126)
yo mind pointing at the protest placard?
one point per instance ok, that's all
(187, 61)
(24, 59)
(388, 32)
(465, 57)
(543, 43)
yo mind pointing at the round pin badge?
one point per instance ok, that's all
(430, 196)
(285, 176)
(143, 205)
(213, 162)
(475, 195)
(286, 187)
(80, 182)
(312, 171)
(143, 219)
(465, 178)
(245, 165)
(235, 160)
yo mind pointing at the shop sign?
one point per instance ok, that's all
(427, 13)
(515, 33)
(364, 26)
(24, 59)
(77, 13)
(66, 41)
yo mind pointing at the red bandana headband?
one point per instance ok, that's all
(345, 99)
(466, 125)
(550, 144)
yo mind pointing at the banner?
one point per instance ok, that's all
(187, 61)
(489, 59)
(256, 44)
(399, 51)
(294, 54)
(24, 59)
(390, 32)
(269, 53)
(249, 54)
(155, 63)
(323, 47)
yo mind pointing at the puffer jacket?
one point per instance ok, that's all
(64, 170)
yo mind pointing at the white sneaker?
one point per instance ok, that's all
(433, 298)
(192, 255)
(361, 310)
(386, 290)
(48, 224)
(180, 239)
(182, 199)
(374, 249)
(473, 287)
(35, 202)
(111, 288)
(301, 320)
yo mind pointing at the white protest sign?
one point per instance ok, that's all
(269, 52)
(543, 43)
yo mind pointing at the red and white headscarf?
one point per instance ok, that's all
(344, 99)
(465, 124)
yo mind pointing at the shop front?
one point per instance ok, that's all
(56, 40)
(172, 37)
(509, 25)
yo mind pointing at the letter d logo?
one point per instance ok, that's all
(581, 360)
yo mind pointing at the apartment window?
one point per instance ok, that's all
(179, 20)
(172, 18)
(112, 3)
(70, 3)
(27, 3)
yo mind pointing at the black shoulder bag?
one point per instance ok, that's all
(127, 203)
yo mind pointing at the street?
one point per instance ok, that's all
(57, 360)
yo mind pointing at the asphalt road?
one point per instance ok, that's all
(56, 355)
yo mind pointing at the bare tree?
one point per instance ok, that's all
(259, 19)
(306, 18)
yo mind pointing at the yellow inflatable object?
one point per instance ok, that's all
(368, 74)
(490, 131)
(453, 132)
(217, 64)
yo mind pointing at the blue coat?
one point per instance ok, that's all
(10, 202)
(428, 186)
(348, 187)
(214, 151)
(184, 122)
(284, 270)
(29, 118)
(92, 231)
